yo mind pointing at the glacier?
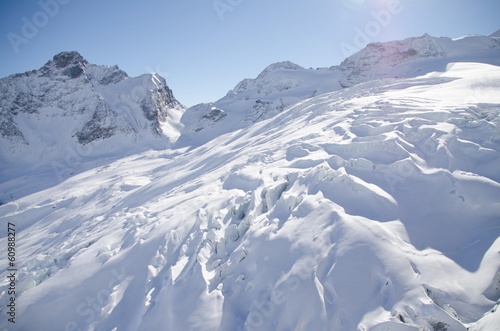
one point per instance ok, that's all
(358, 197)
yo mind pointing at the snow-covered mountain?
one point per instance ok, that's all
(370, 207)
(277, 87)
(282, 84)
(416, 56)
(70, 104)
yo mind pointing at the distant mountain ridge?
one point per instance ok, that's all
(283, 84)
(415, 56)
(94, 105)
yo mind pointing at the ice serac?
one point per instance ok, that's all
(69, 104)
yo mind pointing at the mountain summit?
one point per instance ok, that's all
(69, 104)
(72, 63)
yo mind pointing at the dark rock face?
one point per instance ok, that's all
(215, 115)
(73, 72)
(95, 130)
(10, 130)
(70, 64)
(65, 59)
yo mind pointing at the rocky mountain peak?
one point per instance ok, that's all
(65, 59)
(70, 64)
(73, 65)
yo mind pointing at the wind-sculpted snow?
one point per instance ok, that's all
(371, 208)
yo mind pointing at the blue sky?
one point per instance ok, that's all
(203, 48)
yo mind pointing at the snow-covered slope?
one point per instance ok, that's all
(72, 107)
(277, 87)
(371, 208)
(283, 84)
